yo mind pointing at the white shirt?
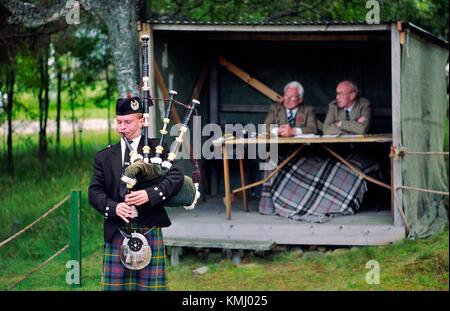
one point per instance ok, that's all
(298, 131)
(134, 144)
(349, 109)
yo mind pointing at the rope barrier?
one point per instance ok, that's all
(74, 230)
(34, 222)
(397, 152)
(37, 268)
(423, 190)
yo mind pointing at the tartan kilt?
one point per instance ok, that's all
(116, 277)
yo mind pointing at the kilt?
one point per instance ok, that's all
(118, 278)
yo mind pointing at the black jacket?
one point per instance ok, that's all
(105, 186)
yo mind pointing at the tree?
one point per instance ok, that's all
(10, 48)
(120, 18)
(20, 43)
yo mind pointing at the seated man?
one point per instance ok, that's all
(314, 188)
(348, 114)
(293, 116)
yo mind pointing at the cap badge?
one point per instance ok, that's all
(134, 104)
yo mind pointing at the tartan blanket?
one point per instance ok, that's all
(313, 189)
(118, 278)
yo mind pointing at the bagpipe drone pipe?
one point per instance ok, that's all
(142, 173)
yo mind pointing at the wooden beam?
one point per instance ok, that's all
(275, 171)
(204, 242)
(163, 88)
(396, 165)
(200, 82)
(241, 74)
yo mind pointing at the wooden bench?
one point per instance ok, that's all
(235, 249)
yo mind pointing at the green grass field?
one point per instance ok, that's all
(406, 265)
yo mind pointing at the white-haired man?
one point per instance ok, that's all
(293, 116)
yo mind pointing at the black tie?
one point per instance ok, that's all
(126, 158)
(126, 162)
(291, 118)
(347, 115)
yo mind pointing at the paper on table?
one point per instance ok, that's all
(330, 135)
(352, 135)
(307, 136)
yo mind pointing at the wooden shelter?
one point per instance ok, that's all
(237, 70)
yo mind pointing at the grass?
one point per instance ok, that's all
(27, 196)
(406, 265)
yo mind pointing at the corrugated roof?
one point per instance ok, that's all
(308, 25)
(260, 23)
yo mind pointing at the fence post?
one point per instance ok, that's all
(75, 232)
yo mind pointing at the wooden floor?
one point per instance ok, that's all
(207, 223)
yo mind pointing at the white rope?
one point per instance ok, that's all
(34, 222)
(38, 267)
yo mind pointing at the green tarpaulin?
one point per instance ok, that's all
(423, 116)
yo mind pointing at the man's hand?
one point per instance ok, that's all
(124, 211)
(338, 124)
(137, 198)
(361, 120)
(286, 131)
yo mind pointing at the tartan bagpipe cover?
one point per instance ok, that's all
(313, 189)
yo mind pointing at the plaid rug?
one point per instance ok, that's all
(314, 189)
(118, 278)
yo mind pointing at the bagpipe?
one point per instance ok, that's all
(143, 172)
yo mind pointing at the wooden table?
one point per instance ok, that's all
(373, 138)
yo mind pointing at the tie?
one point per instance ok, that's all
(126, 158)
(291, 118)
(347, 115)
(126, 162)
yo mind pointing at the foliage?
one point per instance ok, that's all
(429, 14)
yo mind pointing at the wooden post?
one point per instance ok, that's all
(237, 255)
(226, 179)
(175, 253)
(75, 231)
(243, 183)
(396, 168)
